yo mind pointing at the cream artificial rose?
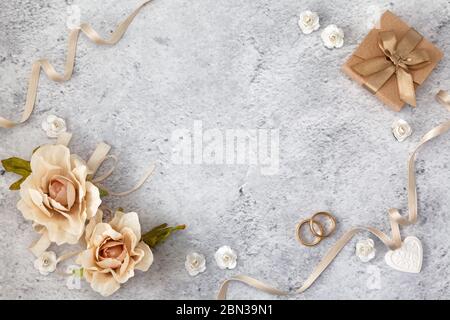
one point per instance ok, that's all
(56, 195)
(113, 251)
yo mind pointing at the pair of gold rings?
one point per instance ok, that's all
(318, 230)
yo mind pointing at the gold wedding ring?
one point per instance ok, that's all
(316, 227)
(316, 239)
(313, 222)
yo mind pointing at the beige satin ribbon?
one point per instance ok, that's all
(99, 156)
(68, 255)
(39, 246)
(399, 57)
(395, 218)
(50, 71)
(64, 138)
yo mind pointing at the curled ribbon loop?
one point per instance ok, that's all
(399, 57)
(52, 74)
(395, 218)
(98, 158)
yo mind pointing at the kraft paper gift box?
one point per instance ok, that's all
(370, 48)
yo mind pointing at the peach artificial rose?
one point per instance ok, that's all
(56, 195)
(113, 251)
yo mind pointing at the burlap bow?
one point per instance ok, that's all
(399, 58)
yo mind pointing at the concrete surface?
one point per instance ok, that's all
(232, 64)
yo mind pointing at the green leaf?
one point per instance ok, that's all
(78, 272)
(18, 166)
(159, 234)
(103, 192)
(16, 185)
(13, 164)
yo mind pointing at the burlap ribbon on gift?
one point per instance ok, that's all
(399, 58)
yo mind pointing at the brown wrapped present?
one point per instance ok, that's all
(392, 61)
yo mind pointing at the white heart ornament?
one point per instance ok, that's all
(407, 258)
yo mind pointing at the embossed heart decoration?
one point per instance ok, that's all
(408, 258)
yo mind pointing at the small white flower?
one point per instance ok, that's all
(195, 263)
(74, 279)
(332, 36)
(54, 126)
(308, 21)
(46, 263)
(401, 130)
(365, 250)
(226, 258)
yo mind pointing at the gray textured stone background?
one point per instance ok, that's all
(232, 64)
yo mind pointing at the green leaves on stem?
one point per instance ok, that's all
(18, 166)
(159, 234)
(103, 192)
(78, 272)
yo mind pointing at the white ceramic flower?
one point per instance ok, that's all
(54, 126)
(332, 36)
(365, 250)
(401, 130)
(195, 263)
(308, 21)
(226, 258)
(74, 279)
(46, 263)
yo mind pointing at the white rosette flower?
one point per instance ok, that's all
(226, 258)
(401, 130)
(308, 21)
(333, 37)
(195, 263)
(46, 263)
(365, 250)
(54, 126)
